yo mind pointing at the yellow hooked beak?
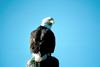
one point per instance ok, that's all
(51, 21)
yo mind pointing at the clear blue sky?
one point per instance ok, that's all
(77, 30)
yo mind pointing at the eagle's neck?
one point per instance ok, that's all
(46, 25)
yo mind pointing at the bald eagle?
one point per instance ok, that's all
(42, 44)
(42, 39)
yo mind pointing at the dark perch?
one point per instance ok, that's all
(49, 62)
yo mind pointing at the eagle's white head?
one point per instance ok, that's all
(47, 22)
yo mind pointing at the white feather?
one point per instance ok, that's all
(38, 58)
